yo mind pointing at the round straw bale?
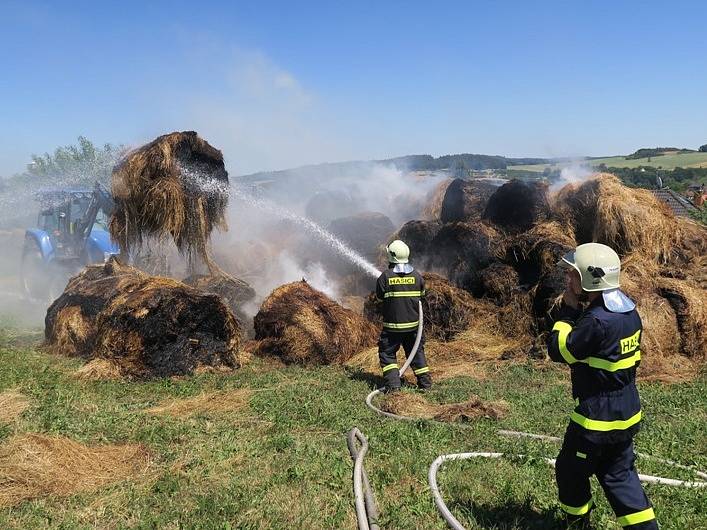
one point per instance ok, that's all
(364, 232)
(627, 219)
(689, 305)
(301, 325)
(418, 235)
(462, 250)
(149, 326)
(234, 292)
(432, 211)
(175, 186)
(465, 200)
(517, 205)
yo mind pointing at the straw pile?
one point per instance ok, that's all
(148, 326)
(465, 200)
(35, 465)
(517, 205)
(174, 187)
(414, 405)
(299, 324)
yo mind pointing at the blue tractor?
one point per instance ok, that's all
(71, 232)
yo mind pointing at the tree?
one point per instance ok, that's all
(80, 164)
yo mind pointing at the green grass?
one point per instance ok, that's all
(283, 463)
(670, 161)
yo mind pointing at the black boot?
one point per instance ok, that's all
(424, 382)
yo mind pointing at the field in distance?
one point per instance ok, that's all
(670, 160)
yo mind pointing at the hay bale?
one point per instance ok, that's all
(627, 219)
(148, 326)
(499, 282)
(462, 250)
(364, 232)
(518, 205)
(175, 186)
(447, 309)
(689, 305)
(465, 200)
(233, 291)
(418, 235)
(414, 405)
(34, 466)
(432, 210)
(299, 324)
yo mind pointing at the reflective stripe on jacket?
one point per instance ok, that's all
(603, 351)
(400, 293)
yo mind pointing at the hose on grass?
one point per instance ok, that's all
(366, 507)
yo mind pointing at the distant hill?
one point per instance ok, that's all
(462, 161)
(647, 152)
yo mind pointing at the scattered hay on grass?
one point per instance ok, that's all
(36, 465)
(12, 405)
(99, 370)
(204, 404)
(414, 405)
(149, 326)
(175, 186)
(299, 324)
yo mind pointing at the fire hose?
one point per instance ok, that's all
(366, 508)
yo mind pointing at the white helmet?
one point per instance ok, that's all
(398, 252)
(598, 266)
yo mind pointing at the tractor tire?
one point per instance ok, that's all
(37, 278)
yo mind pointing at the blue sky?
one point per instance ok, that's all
(282, 84)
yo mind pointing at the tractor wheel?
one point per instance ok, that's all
(35, 275)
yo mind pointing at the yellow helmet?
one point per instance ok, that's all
(398, 252)
(599, 266)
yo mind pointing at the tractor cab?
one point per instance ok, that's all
(71, 232)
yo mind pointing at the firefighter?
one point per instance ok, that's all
(400, 288)
(601, 344)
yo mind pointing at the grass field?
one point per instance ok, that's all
(279, 460)
(668, 161)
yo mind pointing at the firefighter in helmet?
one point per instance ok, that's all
(400, 288)
(601, 344)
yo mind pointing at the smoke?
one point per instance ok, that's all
(575, 173)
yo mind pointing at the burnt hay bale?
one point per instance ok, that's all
(462, 250)
(148, 326)
(299, 324)
(364, 232)
(517, 205)
(499, 282)
(465, 200)
(234, 292)
(175, 186)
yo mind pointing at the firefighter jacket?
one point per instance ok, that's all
(400, 292)
(603, 351)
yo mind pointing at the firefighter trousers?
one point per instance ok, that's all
(388, 345)
(613, 465)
